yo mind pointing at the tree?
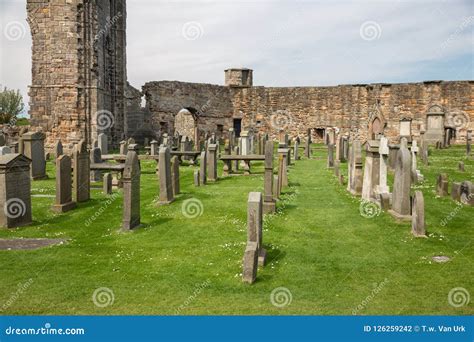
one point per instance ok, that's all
(11, 104)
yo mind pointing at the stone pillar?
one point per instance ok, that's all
(33, 148)
(96, 158)
(418, 215)
(164, 175)
(175, 175)
(203, 168)
(64, 201)
(154, 148)
(355, 169)
(212, 162)
(255, 224)
(15, 191)
(371, 170)
(107, 186)
(58, 149)
(103, 143)
(401, 206)
(81, 175)
(131, 192)
(330, 156)
(269, 204)
(382, 187)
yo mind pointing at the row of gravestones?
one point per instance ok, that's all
(370, 180)
(460, 191)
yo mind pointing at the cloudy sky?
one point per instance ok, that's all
(287, 43)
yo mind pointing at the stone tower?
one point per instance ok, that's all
(79, 70)
(240, 78)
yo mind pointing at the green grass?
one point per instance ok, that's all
(319, 247)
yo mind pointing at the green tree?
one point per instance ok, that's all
(11, 104)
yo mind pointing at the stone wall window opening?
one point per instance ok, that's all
(320, 133)
(237, 127)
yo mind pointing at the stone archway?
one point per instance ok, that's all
(376, 123)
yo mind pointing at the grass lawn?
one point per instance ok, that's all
(332, 260)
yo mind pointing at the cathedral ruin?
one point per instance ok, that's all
(79, 89)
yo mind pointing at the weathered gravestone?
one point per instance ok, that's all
(154, 148)
(269, 204)
(3, 140)
(401, 204)
(33, 148)
(123, 147)
(164, 175)
(281, 171)
(15, 191)
(461, 167)
(355, 180)
(107, 186)
(255, 224)
(131, 192)
(276, 187)
(197, 179)
(418, 215)
(95, 158)
(283, 154)
(384, 151)
(371, 170)
(203, 168)
(296, 146)
(102, 143)
(64, 200)
(442, 184)
(345, 149)
(467, 193)
(235, 163)
(330, 156)
(212, 162)
(175, 175)
(456, 191)
(307, 149)
(250, 263)
(415, 173)
(58, 149)
(468, 142)
(81, 175)
(5, 150)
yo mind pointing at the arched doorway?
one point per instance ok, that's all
(376, 129)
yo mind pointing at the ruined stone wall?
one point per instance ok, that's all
(351, 108)
(78, 68)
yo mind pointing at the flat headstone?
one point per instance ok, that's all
(28, 244)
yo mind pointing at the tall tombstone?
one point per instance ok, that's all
(355, 169)
(203, 168)
(231, 138)
(283, 154)
(154, 148)
(371, 170)
(456, 191)
(269, 204)
(382, 187)
(401, 207)
(96, 158)
(281, 170)
(296, 146)
(175, 175)
(64, 200)
(197, 178)
(415, 173)
(103, 143)
(255, 224)
(107, 186)
(338, 147)
(345, 149)
(392, 155)
(15, 191)
(164, 174)
(131, 192)
(81, 174)
(212, 162)
(442, 184)
(33, 148)
(307, 149)
(330, 163)
(418, 215)
(58, 149)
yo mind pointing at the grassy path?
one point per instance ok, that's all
(329, 258)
